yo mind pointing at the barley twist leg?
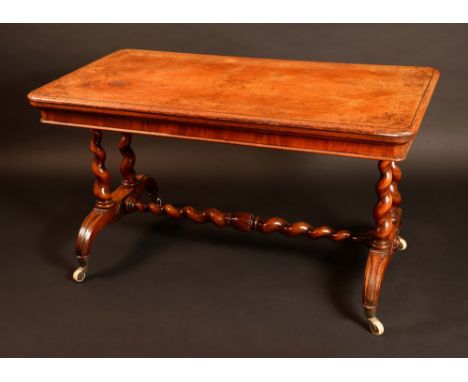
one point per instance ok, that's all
(127, 164)
(387, 216)
(103, 212)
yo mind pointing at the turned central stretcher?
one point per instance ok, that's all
(365, 111)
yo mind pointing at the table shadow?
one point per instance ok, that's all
(344, 262)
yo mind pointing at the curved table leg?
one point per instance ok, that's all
(109, 206)
(91, 226)
(385, 240)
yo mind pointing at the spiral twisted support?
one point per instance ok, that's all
(396, 211)
(127, 163)
(244, 221)
(382, 240)
(102, 213)
(386, 187)
(109, 205)
(387, 216)
(101, 188)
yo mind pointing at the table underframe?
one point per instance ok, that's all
(382, 241)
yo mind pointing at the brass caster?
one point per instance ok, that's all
(376, 327)
(80, 274)
(401, 244)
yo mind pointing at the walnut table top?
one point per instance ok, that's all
(371, 111)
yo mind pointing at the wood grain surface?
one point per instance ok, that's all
(377, 104)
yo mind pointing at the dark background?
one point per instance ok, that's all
(158, 287)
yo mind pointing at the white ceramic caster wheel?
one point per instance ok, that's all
(402, 244)
(376, 327)
(80, 274)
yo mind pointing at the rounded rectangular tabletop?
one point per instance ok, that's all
(372, 103)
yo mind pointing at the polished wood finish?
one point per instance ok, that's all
(227, 134)
(246, 221)
(366, 111)
(101, 188)
(127, 163)
(110, 206)
(99, 218)
(371, 111)
(387, 215)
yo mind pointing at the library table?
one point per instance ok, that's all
(365, 111)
